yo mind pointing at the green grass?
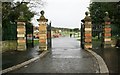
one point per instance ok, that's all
(36, 41)
(29, 41)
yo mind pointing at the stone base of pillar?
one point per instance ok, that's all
(21, 48)
(88, 46)
(106, 45)
(42, 48)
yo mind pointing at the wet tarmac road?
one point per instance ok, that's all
(66, 57)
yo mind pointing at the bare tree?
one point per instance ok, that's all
(35, 4)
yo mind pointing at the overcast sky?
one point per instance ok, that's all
(63, 13)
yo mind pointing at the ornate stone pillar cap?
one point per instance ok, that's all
(87, 18)
(106, 18)
(21, 17)
(42, 18)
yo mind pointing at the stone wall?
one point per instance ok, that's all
(8, 45)
(113, 42)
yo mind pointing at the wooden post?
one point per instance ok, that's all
(107, 31)
(42, 32)
(88, 31)
(21, 32)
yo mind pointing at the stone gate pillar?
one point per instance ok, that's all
(42, 32)
(87, 31)
(21, 32)
(107, 31)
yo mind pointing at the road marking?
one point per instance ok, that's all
(66, 56)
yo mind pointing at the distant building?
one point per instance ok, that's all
(36, 31)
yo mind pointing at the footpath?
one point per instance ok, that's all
(11, 58)
(111, 56)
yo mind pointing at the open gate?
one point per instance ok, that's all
(29, 35)
(82, 34)
(49, 38)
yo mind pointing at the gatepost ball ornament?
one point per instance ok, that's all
(42, 12)
(86, 13)
(21, 17)
(106, 13)
(87, 18)
(107, 19)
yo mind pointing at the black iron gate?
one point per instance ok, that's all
(29, 35)
(98, 35)
(82, 34)
(49, 39)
